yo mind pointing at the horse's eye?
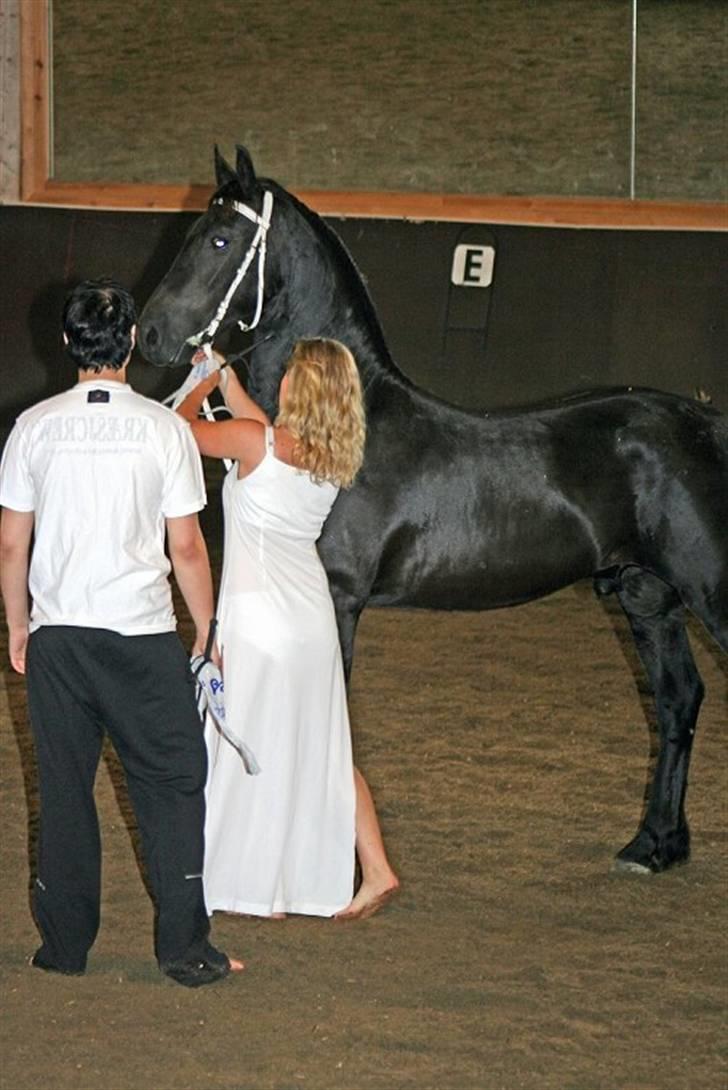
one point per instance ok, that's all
(219, 243)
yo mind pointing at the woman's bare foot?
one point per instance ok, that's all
(278, 916)
(370, 897)
(236, 966)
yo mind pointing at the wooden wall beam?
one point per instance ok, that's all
(35, 100)
(38, 187)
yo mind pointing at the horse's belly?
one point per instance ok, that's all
(484, 576)
(483, 592)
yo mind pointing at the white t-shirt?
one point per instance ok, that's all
(102, 467)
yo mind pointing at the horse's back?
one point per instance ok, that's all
(475, 511)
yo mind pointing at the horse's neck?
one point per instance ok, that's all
(320, 292)
(327, 293)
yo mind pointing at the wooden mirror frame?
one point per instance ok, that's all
(37, 187)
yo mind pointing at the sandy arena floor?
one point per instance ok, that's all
(507, 752)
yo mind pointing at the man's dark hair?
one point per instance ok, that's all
(98, 318)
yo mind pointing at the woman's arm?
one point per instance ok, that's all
(239, 401)
(242, 440)
(190, 407)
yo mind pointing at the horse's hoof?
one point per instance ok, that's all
(648, 854)
(630, 866)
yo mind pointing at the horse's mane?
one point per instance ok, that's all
(349, 274)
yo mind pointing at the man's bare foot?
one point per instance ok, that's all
(370, 897)
(236, 966)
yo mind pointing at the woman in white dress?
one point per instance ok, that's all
(283, 841)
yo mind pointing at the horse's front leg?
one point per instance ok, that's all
(656, 617)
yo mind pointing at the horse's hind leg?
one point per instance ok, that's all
(656, 617)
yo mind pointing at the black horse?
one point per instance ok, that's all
(456, 510)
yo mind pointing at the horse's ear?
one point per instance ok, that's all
(223, 171)
(245, 172)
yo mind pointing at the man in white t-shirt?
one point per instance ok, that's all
(98, 476)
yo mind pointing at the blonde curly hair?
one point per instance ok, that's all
(323, 409)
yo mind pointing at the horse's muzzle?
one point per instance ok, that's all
(152, 346)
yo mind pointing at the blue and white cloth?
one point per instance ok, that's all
(211, 701)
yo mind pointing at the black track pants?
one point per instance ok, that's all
(82, 682)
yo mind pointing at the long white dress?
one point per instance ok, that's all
(281, 841)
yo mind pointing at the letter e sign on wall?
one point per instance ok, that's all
(472, 266)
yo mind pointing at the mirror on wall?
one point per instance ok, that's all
(615, 98)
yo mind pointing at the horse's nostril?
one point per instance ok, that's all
(151, 336)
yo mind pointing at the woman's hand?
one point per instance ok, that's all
(207, 386)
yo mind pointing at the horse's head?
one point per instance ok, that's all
(216, 278)
(297, 280)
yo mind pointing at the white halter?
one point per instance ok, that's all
(257, 246)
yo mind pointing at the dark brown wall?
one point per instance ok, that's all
(567, 308)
